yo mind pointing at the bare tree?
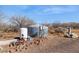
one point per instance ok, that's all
(20, 21)
(2, 22)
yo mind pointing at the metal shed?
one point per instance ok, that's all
(37, 30)
(34, 31)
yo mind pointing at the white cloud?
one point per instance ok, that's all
(59, 9)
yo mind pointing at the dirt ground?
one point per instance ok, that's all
(51, 44)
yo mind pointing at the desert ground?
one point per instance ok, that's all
(53, 43)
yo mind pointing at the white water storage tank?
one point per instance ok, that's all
(24, 33)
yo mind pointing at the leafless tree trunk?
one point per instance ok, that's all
(20, 21)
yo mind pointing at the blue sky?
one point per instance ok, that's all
(44, 13)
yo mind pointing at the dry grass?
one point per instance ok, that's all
(8, 35)
(55, 42)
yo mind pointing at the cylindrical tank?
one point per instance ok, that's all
(24, 33)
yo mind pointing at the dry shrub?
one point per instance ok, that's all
(51, 30)
(1, 35)
(74, 25)
(59, 30)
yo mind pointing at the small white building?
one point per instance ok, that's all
(34, 31)
(24, 33)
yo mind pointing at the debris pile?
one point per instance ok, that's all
(22, 45)
(69, 34)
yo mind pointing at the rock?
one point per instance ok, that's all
(9, 51)
(74, 35)
(1, 48)
(37, 42)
